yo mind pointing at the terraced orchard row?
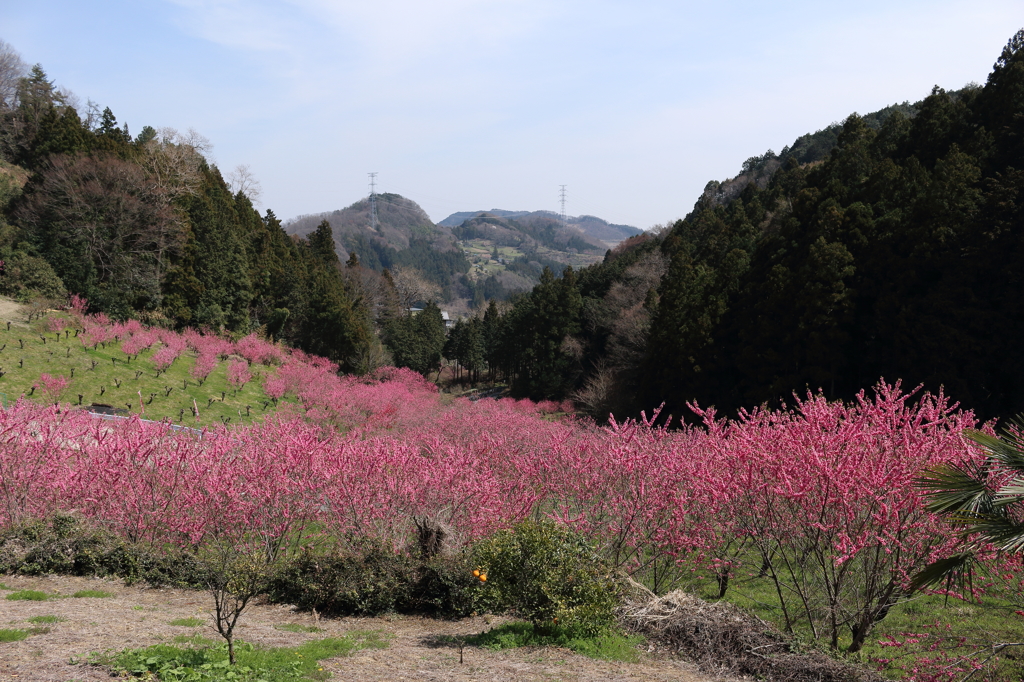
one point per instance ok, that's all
(818, 501)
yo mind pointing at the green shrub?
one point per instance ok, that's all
(28, 595)
(27, 276)
(367, 578)
(445, 588)
(65, 544)
(549, 575)
(363, 580)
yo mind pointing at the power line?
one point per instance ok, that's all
(562, 214)
(373, 201)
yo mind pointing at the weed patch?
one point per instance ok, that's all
(194, 641)
(296, 627)
(27, 595)
(12, 635)
(608, 646)
(44, 620)
(92, 594)
(210, 664)
(187, 622)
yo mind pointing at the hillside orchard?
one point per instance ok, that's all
(818, 498)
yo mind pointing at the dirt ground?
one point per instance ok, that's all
(140, 616)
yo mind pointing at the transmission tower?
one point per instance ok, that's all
(373, 201)
(562, 214)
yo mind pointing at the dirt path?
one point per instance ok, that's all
(138, 616)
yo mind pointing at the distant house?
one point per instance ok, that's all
(448, 322)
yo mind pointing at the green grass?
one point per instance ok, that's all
(28, 595)
(95, 594)
(10, 635)
(950, 625)
(41, 620)
(210, 664)
(98, 383)
(611, 646)
(296, 627)
(187, 622)
(194, 640)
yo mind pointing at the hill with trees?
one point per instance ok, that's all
(593, 227)
(885, 246)
(404, 238)
(145, 227)
(888, 246)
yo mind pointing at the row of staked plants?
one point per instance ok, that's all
(811, 513)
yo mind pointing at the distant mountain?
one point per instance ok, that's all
(400, 222)
(472, 256)
(404, 237)
(592, 226)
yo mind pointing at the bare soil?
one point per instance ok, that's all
(140, 616)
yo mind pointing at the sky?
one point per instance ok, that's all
(464, 105)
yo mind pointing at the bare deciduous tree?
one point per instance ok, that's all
(412, 287)
(242, 180)
(12, 70)
(174, 161)
(110, 211)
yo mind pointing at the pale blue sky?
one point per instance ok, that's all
(474, 104)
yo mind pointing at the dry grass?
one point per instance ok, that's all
(137, 616)
(721, 638)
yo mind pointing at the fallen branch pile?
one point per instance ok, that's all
(723, 639)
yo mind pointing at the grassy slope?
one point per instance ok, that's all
(479, 251)
(931, 619)
(98, 384)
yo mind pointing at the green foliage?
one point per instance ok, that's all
(92, 594)
(204, 664)
(417, 340)
(187, 622)
(550, 576)
(64, 544)
(445, 588)
(25, 277)
(368, 578)
(12, 635)
(530, 344)
(607, 646)
(28, 595)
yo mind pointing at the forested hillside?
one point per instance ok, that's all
(145, 227)
(589, 225)
(893, 251)
(404, 238)
(467, 258)
(886, 246)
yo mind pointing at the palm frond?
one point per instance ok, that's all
(1007, 451)
(955, 571)
(1005, 533)
(957, 489)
